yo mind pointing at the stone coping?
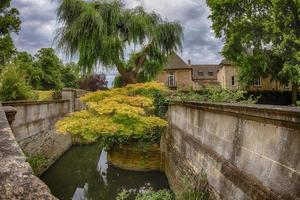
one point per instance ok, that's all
(284, 114)
(22, 103)
(16, 177)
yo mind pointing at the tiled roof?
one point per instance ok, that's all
(175, 62)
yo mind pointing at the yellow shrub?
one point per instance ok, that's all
(44, 95)
(119, 115)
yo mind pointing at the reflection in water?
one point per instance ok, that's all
(80, 193)
(83, 173)
(103, 165)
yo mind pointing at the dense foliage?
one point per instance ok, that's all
(100, 32)
(152, 195)
(50, 65)
(93, 82)
(214, 95)
(70, 75)
(9, 23)
(14, 86)
(120, 116)
(261, 37)
(43, 72)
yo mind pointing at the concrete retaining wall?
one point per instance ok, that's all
(16, 177)
(247, 152)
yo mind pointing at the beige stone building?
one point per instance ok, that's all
(176, 74)
(180, 75)
(205, 76)
(227, 76)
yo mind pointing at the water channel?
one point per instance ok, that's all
(83, 173)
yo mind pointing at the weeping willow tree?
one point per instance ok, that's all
(100, 32)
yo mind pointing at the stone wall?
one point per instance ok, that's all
(34, 129)
(16, 177)
(246, 151)
(74, 96)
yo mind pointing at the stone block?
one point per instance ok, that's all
(43, 111)
(31, 113)
(20, 117)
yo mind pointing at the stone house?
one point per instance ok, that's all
(205, 76)
(176, 74)
(228, 76)
(180, 75)
(228, 79)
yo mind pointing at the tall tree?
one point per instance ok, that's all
(25, 62)
(261, 37)
(51, 66)
(70, 75)
(100, 32)
(9, 22)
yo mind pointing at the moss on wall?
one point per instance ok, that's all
(135, 157)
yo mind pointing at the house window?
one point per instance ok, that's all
(257, 82)
(210, 73)
(232, 80)
(200, 74)
(171, 79)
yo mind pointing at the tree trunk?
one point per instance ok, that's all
(128, 78)
(294, 94)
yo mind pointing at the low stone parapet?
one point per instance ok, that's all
(16, 177)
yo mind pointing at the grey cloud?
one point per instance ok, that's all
(200, 45)
(38, 24)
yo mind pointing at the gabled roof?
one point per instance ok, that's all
(175, 62)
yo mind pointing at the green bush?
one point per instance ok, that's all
(152, 195)
(14, 86)
(214, 95)
(149, 194)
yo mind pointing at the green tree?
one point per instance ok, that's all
(9, 22)
(261, 37)
(70, 75)
(51, 66)
(14, 85)
(100, 32)
(25, 62)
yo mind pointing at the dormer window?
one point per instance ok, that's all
(210, 73)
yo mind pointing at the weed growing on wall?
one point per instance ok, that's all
(194, 191)
(38, 163)
(119, 116)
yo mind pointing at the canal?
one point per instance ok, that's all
(83, 173)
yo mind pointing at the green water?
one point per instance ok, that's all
(83, 173)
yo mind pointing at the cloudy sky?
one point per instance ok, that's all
(200, 45)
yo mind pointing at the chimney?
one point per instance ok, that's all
(189, 62)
